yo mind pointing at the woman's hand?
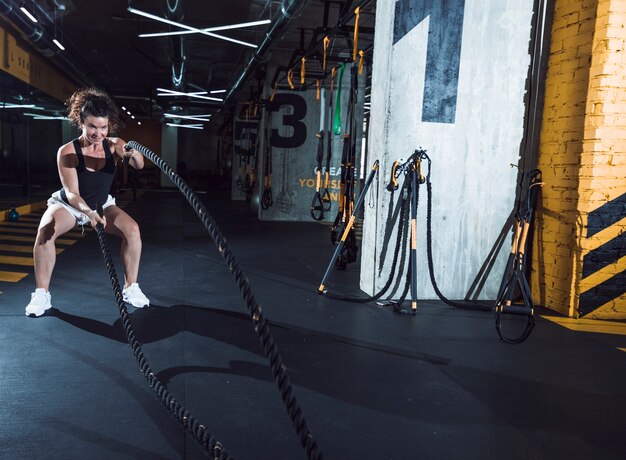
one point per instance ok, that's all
(95, 219)
(132, 154)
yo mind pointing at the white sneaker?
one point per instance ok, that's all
(133, 295)
(40, 301)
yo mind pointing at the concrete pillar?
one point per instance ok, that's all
(581, 239)
(448, 77)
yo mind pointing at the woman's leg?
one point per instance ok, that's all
(55, 222)
(119, 223)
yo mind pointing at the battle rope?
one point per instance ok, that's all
(399, 238)
(261, 325)
(199, 432)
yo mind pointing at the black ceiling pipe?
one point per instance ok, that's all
(174, 12)
(289, 9)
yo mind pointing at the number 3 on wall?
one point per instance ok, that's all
(294, 120)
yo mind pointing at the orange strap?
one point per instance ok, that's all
(302, 70)
(357, 12)
(317, 92)
(290, 78)
(361, 55)
(332, 78)
(326, 43)
(273, 92)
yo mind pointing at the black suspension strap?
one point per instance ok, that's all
(198, 431)
(347, 187)
(261, 325)
(402, 223)
(317, 207)
(266, 199)
(514, 278)
(429, 249)
(326, 198)
(348, 228)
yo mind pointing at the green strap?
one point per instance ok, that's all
(337, 119)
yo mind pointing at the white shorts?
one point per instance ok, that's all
(81, 218)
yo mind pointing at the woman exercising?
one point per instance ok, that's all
(87, 169)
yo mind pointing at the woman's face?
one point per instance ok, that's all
(95, 129)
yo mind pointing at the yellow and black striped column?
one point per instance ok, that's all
(580, 255)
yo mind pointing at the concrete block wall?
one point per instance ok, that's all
(448, 77)
(580, 255)
(295, 122)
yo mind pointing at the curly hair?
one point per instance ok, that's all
(92, 102)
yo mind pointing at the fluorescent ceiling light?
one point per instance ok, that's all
(179, 93)
(38, 116)
(56, 42)
(27, 13)
(188, 117)
(209, 29)
(216, 91)
(193, 29)
(169, 92)
(193, 126)
(8, 105)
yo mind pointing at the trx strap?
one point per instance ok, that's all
(357, 13)
(317, 207)
(337, 119)
(261, 327)
(348, 229)
(266, 199)
(326, 199)
(347, 181)
(326, 43)
(514, 278)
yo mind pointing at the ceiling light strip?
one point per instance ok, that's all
(28, 13)
(209, 29)
(180, 93)
(194, 126)
(193, 29)
(188, 117)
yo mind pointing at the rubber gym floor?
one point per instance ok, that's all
(372, 384)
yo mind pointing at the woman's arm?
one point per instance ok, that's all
(135, 158)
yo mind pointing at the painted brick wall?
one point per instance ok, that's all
(582, 156)
(602, 187)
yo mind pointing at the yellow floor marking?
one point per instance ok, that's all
(12, 277)
(31, 239)
(27, 231)
(16, 260)
(18, 225)
(589, 325)
(30, 231)
(22, 249)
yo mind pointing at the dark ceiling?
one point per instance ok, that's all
(103, 46)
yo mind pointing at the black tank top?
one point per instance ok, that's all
(93, 186)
